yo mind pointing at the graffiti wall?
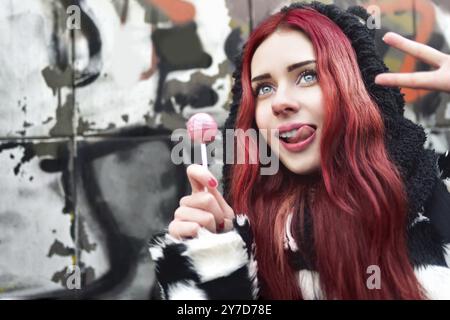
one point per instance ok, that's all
(90, 92)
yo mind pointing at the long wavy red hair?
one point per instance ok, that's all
(359, 208)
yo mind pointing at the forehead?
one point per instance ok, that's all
(281, 49)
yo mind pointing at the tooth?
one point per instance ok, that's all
(288, 134)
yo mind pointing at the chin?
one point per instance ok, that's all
(302, 168)
(302, 171)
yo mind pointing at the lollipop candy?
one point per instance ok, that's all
(202, 128)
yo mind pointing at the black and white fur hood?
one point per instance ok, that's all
(222, 266)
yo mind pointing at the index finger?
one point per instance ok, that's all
(416, 80)
(200, 177)
(420, 51)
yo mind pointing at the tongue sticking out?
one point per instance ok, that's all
(302, 134)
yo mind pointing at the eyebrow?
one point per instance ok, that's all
(289, 69)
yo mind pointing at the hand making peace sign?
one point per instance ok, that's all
(437, 79)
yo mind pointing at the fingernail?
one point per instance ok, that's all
(221, 226)
(212, 183)
(393, 34)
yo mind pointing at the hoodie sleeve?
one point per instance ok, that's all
(210, 266)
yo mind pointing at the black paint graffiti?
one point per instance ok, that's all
(123, 250)
(178, 48)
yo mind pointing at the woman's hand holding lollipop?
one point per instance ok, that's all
(205, 207)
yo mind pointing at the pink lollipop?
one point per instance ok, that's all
(202, 128)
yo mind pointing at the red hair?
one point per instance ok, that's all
(359, 208)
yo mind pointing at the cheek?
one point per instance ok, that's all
(263, 123)
(320, 114)
(263, 115)
(259, 118)
(319, 107)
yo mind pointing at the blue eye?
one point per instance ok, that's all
(309, 77)
(263, 89)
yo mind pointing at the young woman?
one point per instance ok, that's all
(358, 209)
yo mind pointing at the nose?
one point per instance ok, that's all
(284, 104)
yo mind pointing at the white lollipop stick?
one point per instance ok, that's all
(202, 128)
(204, 159)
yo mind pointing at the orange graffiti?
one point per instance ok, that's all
(425, 25)
(178, 11)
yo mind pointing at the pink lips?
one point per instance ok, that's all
(304, 137)
(292, 126)
(296, 147)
